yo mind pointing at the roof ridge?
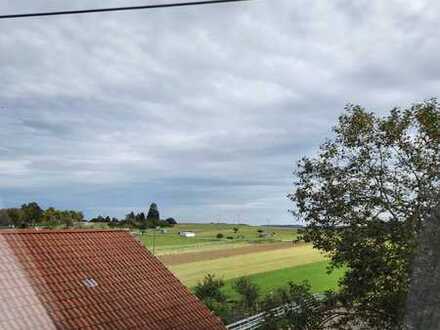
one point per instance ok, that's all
(50, 231)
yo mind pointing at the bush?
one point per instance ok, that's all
(220, 235)
(249, 294)
(312, 313)
(230, 237)
(171, 221)
(164, 223)
(210, 289)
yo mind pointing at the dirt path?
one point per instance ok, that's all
(183, 258)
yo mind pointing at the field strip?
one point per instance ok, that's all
(182, 258)
(198, 247)
(253, 263)
(315, 273)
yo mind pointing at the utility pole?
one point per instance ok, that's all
(154, 241)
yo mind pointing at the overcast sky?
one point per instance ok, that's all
(205, 110)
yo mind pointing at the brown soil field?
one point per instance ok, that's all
(183, 258)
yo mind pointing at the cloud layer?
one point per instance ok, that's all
(202, 110)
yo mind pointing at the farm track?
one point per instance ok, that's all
(183, 258)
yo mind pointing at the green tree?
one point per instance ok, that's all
(296, 307)
(51, 217)
(12, 216)
(364, 197)
(114, 223)
(209, 290)
(171, 221)
(5, 220)
(79, 216)
(130, 219)
(141, 221)
(98, 219)
(17, 217)
(249, 294)
(32, 213)
(153, 216)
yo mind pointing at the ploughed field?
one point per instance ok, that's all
(268, 255)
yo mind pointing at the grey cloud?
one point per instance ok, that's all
(203, 110)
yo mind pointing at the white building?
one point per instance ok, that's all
(187, 234)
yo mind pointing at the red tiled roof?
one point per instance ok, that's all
(94, 279)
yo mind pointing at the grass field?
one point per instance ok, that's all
(226, 251)
(315, 273)
(236, 266)
(170, 242)
(271, 262)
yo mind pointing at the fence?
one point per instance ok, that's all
(254, 322)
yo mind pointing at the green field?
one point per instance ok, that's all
(171, 242)
(269, 268)
(315, 273)
(236, 266)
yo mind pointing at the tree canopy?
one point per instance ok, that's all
(171, 221)
(364, 198)
(153, 214)
(32, 214)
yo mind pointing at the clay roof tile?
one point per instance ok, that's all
(100, 279)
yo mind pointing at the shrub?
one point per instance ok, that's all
(171, 221)
(210, 289)
(249, 294)
(220, 235)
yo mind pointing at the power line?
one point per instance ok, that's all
(100, 10)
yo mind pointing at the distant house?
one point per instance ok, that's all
(94, 279)
(187, 233)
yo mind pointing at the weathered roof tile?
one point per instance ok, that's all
(93, 279)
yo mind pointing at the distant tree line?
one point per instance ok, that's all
(31, 214)
(140, 220)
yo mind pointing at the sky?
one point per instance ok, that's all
(203, 110)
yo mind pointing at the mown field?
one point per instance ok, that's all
(271, 262)
(206, 237)
(236, 266)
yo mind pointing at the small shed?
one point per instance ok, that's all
(187, 234)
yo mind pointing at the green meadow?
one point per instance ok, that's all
(206, 237)
(315, 273)
(248, 264)
(270, 269)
